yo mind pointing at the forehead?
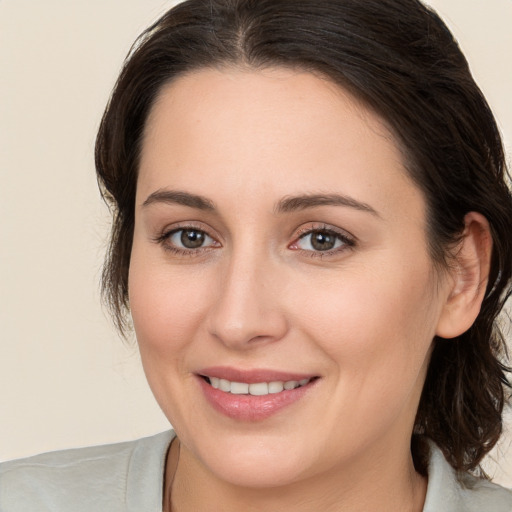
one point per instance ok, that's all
(280, 97)
(274, 129)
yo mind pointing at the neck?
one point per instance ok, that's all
(377, 483)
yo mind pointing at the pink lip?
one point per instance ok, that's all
(247, 407)
(251, 376)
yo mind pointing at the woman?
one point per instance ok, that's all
(312, 236)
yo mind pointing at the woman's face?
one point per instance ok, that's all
(278, 242)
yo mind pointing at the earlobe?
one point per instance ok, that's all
(468, 276)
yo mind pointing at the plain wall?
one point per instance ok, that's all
(66, 379)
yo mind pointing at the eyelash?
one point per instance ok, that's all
(348, 242)
(165, 241)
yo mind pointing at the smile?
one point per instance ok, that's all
(256, 388)
(253, 395)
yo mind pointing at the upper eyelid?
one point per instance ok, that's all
(192, 225)
(168, 232)
(301, 232)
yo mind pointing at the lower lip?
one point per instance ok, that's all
(249, 407)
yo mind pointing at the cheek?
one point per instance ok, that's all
(167, 313)
(376, 332)
(166, 304)
(374, 322)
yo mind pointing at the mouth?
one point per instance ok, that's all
(255, 388)
(256, 395)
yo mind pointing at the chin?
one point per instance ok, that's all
(262, 473)
(254, 461)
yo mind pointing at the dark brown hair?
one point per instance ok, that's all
(400, 59)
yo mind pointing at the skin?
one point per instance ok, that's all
(361, 317)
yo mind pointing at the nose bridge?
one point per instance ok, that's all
(246, 309)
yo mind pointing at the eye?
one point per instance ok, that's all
(322, 240)
(189, 238)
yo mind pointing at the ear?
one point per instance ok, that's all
(468, 276)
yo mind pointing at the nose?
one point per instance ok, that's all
(247, 311)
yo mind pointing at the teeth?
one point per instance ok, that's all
(258, 389)
(291, 384)
(275, 387)
(225, 385)
(239, 388)
(255, 389)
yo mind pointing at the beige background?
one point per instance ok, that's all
(65, 377)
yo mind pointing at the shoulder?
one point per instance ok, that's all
(449, 492)
(477, 490)
(85, 479)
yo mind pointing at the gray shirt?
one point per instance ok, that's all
(128, 477)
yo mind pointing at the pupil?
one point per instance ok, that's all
(192, 239)
(322, 241)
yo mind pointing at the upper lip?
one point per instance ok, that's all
(252, 376)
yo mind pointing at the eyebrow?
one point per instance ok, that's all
(179, 197)
(285, 205)
(303, 202)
